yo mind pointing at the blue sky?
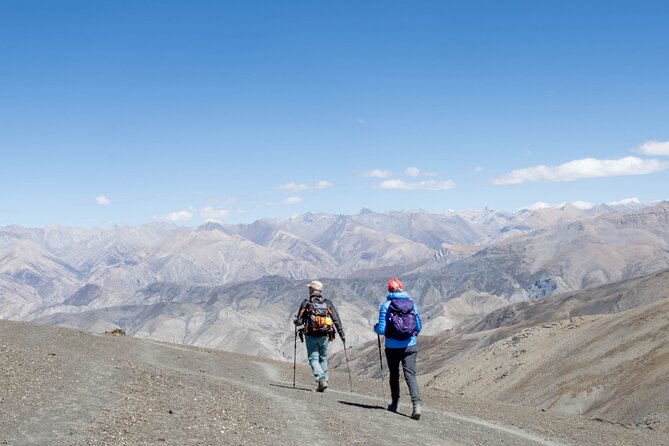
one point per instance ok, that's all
(126, 112)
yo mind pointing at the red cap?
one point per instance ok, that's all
(395, 284)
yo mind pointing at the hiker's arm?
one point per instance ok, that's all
(380, 327)
(299, 319)
(419, 325)
(337, 321)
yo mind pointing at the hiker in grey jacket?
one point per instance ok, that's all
(320, 320)
(402, 351)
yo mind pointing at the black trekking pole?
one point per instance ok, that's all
(294, 356)
(383, 387)
(350, 381)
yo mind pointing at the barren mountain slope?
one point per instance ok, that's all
(62, 387)
(610, 366)
(253, 317)
(606, 299)
(613, 247)
(26, 261)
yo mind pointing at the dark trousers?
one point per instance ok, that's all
(406, 356)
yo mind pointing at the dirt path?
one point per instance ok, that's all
(354, 418)
(62, 387)
(361, 419)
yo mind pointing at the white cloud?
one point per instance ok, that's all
(624, 201)
(416, 172)
(184, 215)
(292, 200)
(294, 187)
(478, 169)
(323, 184)
(412, 171)
(377, 173)
(422, 185)
(102, 200)
(298, 187)
(654, 148)
(583, 168)
(209, 213)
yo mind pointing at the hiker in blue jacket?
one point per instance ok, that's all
(400, 347)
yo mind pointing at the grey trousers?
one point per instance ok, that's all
(407, 357)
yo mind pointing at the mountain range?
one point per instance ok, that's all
(236, 287)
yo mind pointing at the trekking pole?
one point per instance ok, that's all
(294, 356)
(350, 381)
(383, 387)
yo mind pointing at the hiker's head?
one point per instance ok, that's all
(395, 284)
(315, 285)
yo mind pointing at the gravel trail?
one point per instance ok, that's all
(64, 387)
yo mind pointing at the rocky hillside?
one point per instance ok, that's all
(63, 387)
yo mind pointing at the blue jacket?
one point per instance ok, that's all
(380, 328)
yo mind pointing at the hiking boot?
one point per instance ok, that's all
(322, 385)
(392, 407)
(416, 412)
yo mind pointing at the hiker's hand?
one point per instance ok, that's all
(343, 339)
(376, 328)
(296, 322)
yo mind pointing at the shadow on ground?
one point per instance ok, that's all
(368, 406)
(292, 388)
(364, 406)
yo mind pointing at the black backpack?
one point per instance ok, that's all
(319, 320)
